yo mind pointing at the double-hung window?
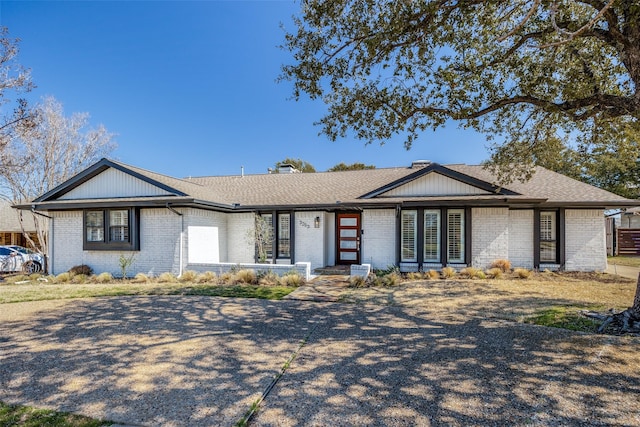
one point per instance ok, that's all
(111, 229)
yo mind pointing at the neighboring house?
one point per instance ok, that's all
(10, 231)
(630, 218)
(420, 217)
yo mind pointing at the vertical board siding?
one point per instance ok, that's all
(434, 184)
(113, 183)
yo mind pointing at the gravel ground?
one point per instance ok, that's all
(201, 361)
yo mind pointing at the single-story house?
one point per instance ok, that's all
(420, 217)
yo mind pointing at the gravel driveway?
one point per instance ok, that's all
(201, 361)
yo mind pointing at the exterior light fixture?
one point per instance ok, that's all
(316, 223)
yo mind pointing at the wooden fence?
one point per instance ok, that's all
(628, 241)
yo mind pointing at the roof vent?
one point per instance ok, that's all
(287, 168)
(417, 164)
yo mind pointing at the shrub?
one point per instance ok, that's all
(433, 274)
(292, 279)
(167, 277)
(268, 278)
(481, 275)
(63, 277)
(141, 278)
(388, 270)
(502, 264)
(523, 273)
(495, 273)
(103, 278)
(188, 276)
(207, 277)
(246, 276)
(357, 281)
(81, 269)
(448, 272)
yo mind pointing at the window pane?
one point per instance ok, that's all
(548, 252)
(348, 256)
(94, 221)
(119, 226)
(264, 237)
(348, 232)
(432, 236)
(455, 235)
(348, 222)
(408, 236)
(284, 236)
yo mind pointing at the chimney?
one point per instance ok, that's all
(418, 164)
(287, 168)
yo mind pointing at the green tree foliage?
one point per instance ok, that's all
(535, 76)
(352, 167)
(299, 164)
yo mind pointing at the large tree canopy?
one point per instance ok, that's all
(14, 79)
(526, 73)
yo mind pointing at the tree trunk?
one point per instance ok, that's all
(635, 308)
(626, 321)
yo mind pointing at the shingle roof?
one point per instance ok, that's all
(327, 189)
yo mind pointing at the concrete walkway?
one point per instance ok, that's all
(201, 361)
(623, 270)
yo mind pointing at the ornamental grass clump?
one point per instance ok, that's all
(495, 273)
(79, 278)
(247, 276)
(432, 274)
(357, 281)
(188, 276)
(415, 275)
(63, 277)
(471, 272)
(523, 273)
(448, 272)
(141, 278)
(292, 279)
(167, 277)
(226, 278)
(207, 277)
(103, 278)
(268, 278)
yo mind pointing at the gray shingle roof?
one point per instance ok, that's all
(327, 189)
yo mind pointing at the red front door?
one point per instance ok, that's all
(348, 238)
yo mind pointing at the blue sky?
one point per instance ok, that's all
(189, 87)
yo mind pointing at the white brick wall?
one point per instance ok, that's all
(202, 218)
(309, 241)
(489, 235)
(240, 240)
(159, 245)
(378, 243)
(585, 245)
(521, 238)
